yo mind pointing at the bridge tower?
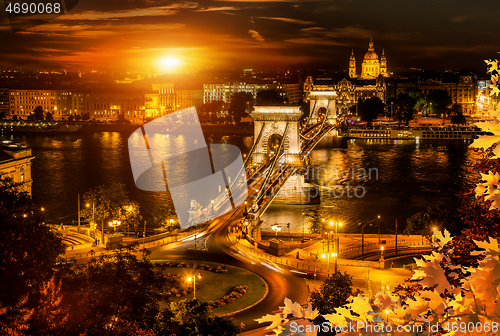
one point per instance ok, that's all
(323, 100)
(272, 124)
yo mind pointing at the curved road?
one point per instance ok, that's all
(280, 284)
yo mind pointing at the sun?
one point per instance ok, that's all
(170, 64)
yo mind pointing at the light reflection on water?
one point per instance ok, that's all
(411, 177)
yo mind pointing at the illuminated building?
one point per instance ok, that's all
(224, 91)
(24, 102)
(4, 101)
(348, 91)
(371, 67)
(108, 106)
(188, 98)
(15, 162)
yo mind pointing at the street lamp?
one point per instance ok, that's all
(276, 228)
(114, 224)
(327, 255)
(381, 253)
(378, 228)
(337, 224)
(193, 279)
(434, 234)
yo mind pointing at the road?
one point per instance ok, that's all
(280, 284)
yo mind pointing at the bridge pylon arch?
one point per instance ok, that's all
(272, 120)
(323, 99)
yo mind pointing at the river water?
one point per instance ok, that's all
(392, 179)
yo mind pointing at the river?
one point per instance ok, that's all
(392, 179)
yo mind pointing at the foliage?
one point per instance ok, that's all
(165, 218)
(439, 100)
(194, 319)
(435, 217)
(48, 116)
(109, 291)
(14, 320)
(438, 306)
(333, 293)
(29, 249)
(38, 113)
(404, 108)
(241, 105)
(457, 115)
(370, 109)
(111, 202)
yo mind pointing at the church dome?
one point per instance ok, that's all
(371, 56)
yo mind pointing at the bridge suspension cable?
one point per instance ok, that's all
(322, 125)
(255, 143)
(273, 164)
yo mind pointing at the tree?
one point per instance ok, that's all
(165, 218)
(241, 105)
(86, 116)
(29, 249)
(370, 109)
(71, 118)
(111, 202)
(439, 101)
(194, 319)
(435, 217)
(78, 117)
(112, 293)
(48, 116)
(38, 113)
(333, 293)
(457, 115)
(404, 108)
(269, 97)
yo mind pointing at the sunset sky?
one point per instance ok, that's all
(139, 35)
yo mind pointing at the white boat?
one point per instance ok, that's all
(416, 133)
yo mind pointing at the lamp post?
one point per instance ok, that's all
(327, 255)
(193, 279)
(93, 212)
(381, 253)
(378, 228)
(337, 224)
(434, 234)
(144, 235)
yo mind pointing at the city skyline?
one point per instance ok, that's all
(189, 36)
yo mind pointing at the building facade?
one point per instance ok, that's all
(15, 163)
(348, 91)
(24, 102)
(112, 106)
(462, 87)
(291, 92)
(188, 98)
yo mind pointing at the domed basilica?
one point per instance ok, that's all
(371, 67)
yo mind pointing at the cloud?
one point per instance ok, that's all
(141, 12)
(255, 34)
(316, 41)
(286, 20)
(215, 9)
(461, 18)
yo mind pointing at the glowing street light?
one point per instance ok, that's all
(381, 253)
(193, 279)
(327, 256)
(114, 224)
(276, 228)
